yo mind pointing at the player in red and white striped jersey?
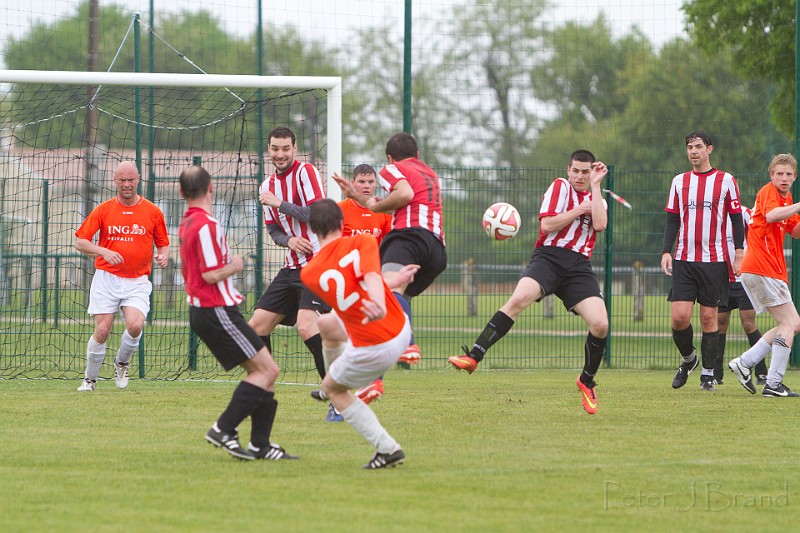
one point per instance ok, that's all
(698, 208)
(737, 299)
(205, 248)
(417, 236)
(287, 196)
(573, 211)
(208, 269)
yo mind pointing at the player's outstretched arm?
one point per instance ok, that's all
(404, 276)
(401, 196)
(348, 191)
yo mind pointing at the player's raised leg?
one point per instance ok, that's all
(526, 292)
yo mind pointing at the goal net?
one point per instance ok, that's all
(62, 134)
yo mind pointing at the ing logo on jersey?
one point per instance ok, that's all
(136, 229)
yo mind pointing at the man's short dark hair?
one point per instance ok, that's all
(195, 182)
(363, 170)
(326, 217)
(703, 136)
(582, 156)
(282, 132)
(401, 146)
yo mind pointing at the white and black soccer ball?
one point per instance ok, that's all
(501, 221)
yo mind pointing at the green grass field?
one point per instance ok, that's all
(492, 451)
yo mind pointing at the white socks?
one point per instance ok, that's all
(777, 365)
(756, 353)
(95, 353)
(127, 346)
(362, 419)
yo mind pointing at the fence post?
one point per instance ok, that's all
(637, 288)
(548, 309)
(470, 286)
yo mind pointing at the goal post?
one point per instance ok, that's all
(50, 178)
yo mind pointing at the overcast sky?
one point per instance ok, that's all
(332, 20)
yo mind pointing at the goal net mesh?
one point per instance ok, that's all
(59, 146)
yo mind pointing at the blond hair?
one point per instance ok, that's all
(783, 159)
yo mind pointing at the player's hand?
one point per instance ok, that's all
(585, 207)
(599, 171)
(737, 262)
(372, 311)
(666, 264)
(112, 258)
(348, 191)
(236, 262)
(162, 260)
(301, 245)
(269, 199)
(406, 274)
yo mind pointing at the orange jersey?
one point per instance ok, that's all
(358, 220)
(335, 274)
(129, 230)
(764, 255)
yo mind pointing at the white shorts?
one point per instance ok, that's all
(361, 365)
(765, 292)
(109, 292)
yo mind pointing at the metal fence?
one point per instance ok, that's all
(44, 282)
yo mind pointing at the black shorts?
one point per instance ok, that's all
(415, 246)
(286, 294)
(737, 299)
(705, 283)
(565, 273)
(226, 334)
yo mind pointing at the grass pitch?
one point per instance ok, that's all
(492, 451)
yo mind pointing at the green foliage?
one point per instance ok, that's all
(516, 446)
(501, 41)
(62, 45)
(761, 35)
(586, 74)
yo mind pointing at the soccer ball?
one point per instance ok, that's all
(501, 221)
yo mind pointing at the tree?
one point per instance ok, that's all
(761, 35)
(500, 42)
(375, 82)
(585, 75)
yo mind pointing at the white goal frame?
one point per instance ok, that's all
(333, 85)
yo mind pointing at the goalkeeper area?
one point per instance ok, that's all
(64, 133)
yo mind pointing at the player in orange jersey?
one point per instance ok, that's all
(129, 226)
(358, 220)
(366, 332)
(765, 278)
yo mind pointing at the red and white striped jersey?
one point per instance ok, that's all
(425, 208)
(703, 202)
(300, 185)
(578, 236)
(204, 248)
(746, 217)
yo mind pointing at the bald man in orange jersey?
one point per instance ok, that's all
(129, 227)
